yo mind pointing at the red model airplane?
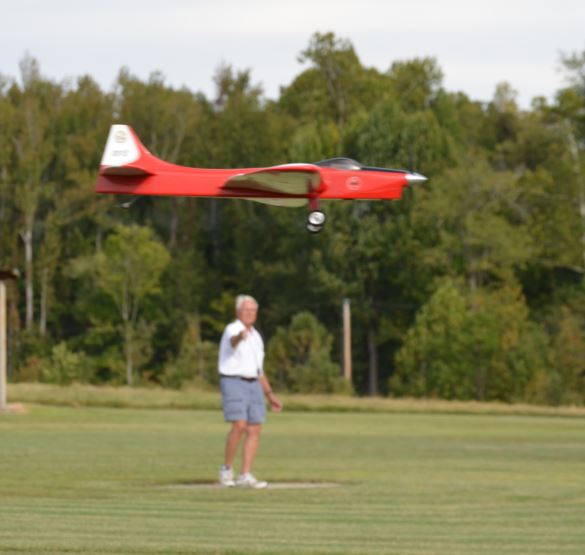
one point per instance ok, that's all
(128, 168)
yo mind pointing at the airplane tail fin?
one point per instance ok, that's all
(125, 154)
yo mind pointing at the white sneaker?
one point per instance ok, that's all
(226, 477)
(249, 481)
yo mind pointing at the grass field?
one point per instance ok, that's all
(83, 395)
(96, 480)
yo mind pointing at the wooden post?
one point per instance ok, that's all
(4, 275)
(3, 346)
(347, 340)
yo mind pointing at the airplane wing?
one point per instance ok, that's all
(293, 183)
(288, 179)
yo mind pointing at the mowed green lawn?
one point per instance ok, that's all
(96, 480)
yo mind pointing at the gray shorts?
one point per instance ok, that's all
(242, 400)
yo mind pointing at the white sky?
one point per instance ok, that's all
(477, 43)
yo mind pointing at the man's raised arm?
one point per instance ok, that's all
(235, 340)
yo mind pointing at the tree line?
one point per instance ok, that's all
(470, 287)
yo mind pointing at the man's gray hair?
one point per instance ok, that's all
(241, 299)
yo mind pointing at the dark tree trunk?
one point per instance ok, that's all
(372, 362)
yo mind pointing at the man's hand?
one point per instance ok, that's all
(274, 401)
(240, 337)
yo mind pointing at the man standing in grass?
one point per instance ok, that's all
(243, 386)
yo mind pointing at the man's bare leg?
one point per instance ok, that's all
(250, 447)
(232, 442)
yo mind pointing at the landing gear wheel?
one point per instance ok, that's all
(316, 218)
(314, 228)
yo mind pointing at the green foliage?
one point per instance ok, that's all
(338, 70)
(221, 310)
(298, 358)
(128, 270)
(465, 345)
(416, 83)
(566, 383)
(129, 267)
(391, 137)
(196, 363)
(65, 366)
(504, 205)
(472, 222)
(314, 142)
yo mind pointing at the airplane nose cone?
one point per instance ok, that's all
(412, 178)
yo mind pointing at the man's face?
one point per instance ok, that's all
(247, 313)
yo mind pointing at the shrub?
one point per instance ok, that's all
(472, 346)
(65, 366)
(299, 358)
(196, 362)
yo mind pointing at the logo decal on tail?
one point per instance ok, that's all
(121, 148)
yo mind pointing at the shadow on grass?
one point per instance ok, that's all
(211, 484)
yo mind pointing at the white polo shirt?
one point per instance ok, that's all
(247, 359)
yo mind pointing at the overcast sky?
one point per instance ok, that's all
(477, 43)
